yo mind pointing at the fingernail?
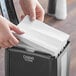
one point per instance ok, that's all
(33, 18)
(22, 32)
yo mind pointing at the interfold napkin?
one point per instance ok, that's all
(42, 37)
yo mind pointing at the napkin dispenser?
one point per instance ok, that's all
(43, 51)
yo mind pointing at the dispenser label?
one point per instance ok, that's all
(28, 58)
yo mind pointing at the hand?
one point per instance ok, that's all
(33, 9)
(7, 39)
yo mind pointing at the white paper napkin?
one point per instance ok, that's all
(42, 37)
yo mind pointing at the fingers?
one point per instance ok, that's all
(33, 9)
(9, 42)
(22, 17)
(39, 12)
(32, 14)
(13, 40)
(6, 44)
(2, 45)
(16, 29)
(40, 17)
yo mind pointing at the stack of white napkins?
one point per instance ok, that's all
(42, 37)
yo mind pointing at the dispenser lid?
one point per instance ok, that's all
(42, 37)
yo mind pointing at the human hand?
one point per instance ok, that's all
(33, 9)
(7, 39)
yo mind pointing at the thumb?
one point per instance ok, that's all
(16, 29)
(32, 14)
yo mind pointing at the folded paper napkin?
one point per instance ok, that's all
(42, 37)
